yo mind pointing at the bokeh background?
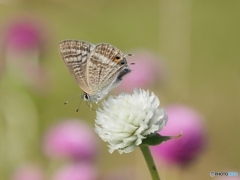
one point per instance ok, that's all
(195, 46)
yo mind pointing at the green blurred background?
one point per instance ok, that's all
(199, 41)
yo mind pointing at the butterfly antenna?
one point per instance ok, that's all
(79, 105)
(71, 99)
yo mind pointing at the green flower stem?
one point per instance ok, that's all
(150, 162)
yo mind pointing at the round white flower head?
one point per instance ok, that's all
(124, 121)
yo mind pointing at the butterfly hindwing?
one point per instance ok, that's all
(104, 66)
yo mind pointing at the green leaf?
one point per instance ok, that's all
(156, 139)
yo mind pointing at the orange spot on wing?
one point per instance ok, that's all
(117, 60)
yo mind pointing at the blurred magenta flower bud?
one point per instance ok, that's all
(28, 172)
(22, 45)
(185, 149)
(147, 71)
(77, 171)
(72, 139)
(25, 34)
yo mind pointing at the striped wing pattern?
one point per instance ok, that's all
(96, 68)
(75, 55)
(103, 67)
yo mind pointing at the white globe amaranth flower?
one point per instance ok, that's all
(124, 121)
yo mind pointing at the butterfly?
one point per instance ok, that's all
(97, 69)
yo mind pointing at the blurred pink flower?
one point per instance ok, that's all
(28, 172)
(24, 34)
(70, 139)
(147, 71)
(182, 150)
(78, 171)
(23, 43)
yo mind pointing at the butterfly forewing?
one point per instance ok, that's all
(75, 55)
(103, 67)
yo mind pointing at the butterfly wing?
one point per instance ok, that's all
(75, 55)
(105, 68)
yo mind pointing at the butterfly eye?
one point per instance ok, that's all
(85, 97)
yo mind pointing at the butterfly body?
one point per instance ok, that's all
(97, 69)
